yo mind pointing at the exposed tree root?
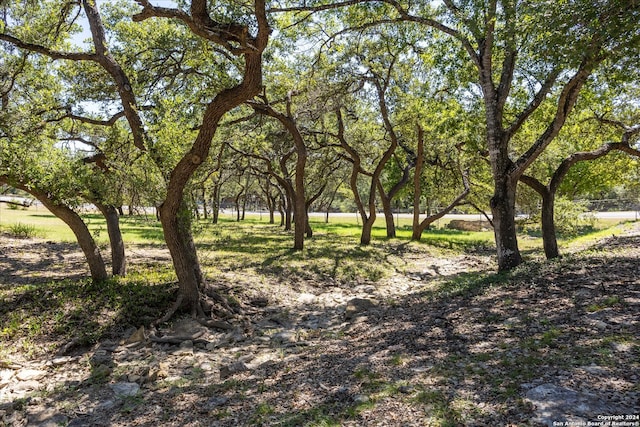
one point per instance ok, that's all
(175, 339)
(214, 298)
(175, 307)
(211, 311)
(210, 323)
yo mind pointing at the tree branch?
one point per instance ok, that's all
(53, 54)
(224, 34)
(535, 102)
(566, 102)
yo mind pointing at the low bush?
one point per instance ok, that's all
(23, 231)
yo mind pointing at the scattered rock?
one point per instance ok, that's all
(125, 389)
(406, 389)
(48, 418)
(306, 299)
(357, 307)
(188, 327)
(158, 371)
(600, 324)
(228, 370)
(134, 378)
(215, 402)
(421, 369)
(284, 337)
(360, 399)
(101, 357)
(23, 387)
(185, 349)
(259, 302)
(105, 405)
(559, 404)
(79, 422)
(206, 366)
(595, 370)
(136, 338)
(30, 374)
(622, 346)
(101, 371)
(62, 360)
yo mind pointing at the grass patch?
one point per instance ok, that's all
(24, 231)
(40, 318)
(607, 302)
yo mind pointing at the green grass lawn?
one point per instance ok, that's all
(145, 229)
(138, 229)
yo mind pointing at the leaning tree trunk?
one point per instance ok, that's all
(419, 226)
(72, 219)
(118, 258)
(85, 240)
(177, 234)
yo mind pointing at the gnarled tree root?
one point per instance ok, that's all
(211, 303)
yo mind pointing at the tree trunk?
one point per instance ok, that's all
(215, 202)
(387, 198)
(308, 229)
(91, 251)
(236, 202)
(85, 240)
(367, 226)
(288, 209)
(204, 204)
(282, 214)
(196, 208)
(300, 219)
(271, 204)
(549, 240)
(118, 258)
(177, 234)
(388, 212)
(416, 233)
(504, 224)
(419, 226)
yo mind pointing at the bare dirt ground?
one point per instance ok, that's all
(442, 341)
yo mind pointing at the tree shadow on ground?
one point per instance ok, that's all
(29, 261)
(460, 350)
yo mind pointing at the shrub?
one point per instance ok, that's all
(572, 216)
(23, 231)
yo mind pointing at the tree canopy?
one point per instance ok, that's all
(426, 104)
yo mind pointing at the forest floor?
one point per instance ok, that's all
(439, 339)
